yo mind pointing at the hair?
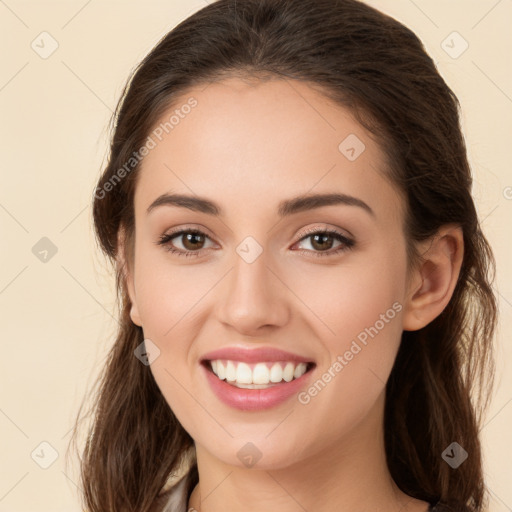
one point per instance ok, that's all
(442, 379)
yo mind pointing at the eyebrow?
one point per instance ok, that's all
(286, 207)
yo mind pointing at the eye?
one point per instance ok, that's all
(322, 241)
(191, 240)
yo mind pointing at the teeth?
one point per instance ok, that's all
(276, 373)
(260, 375)
(221, 371)
(288, 372)
(230, 371)
(243, 374)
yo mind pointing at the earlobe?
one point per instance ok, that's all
(127, 276)
(134, 315)
(435, 278)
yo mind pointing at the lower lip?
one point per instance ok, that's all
(254, 399)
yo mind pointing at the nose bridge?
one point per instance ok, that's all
(253, 296)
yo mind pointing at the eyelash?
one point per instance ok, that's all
(347, 243)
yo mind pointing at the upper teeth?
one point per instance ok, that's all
(261, 373)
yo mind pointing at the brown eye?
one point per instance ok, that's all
(192, 242)
(321, 241)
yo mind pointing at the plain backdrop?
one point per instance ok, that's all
(57, 293)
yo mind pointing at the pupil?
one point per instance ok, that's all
(323, 240)
(190, 238)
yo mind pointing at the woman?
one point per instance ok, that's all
(306, 311)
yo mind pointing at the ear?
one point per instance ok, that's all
(432, 283)
(127, 273)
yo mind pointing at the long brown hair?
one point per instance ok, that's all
(443, 376)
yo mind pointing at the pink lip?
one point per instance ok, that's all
(253, 399)
(254, 355)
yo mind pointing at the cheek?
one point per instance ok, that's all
(171, 298)
(168, 293)
(358, 320)
(352, 295)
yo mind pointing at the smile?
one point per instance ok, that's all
(260, 375)
(251, 386)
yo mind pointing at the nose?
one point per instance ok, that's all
(253, 297)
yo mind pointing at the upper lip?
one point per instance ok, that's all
(254, 355)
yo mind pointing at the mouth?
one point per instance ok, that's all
(259, 375)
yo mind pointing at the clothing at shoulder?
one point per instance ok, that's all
(174, 499)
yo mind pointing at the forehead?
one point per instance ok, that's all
(256, 143)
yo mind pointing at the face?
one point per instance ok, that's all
(324, 279)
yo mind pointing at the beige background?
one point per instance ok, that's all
(57, 316)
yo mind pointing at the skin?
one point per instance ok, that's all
(248, 146)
